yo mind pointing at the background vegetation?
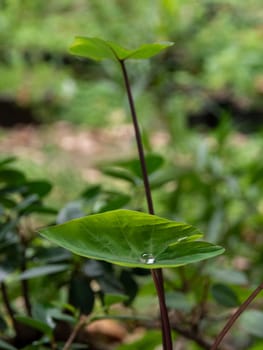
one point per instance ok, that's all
(203, 96)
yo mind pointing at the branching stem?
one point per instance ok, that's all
(81, 323)
(235, 316)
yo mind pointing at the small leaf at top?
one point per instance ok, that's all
(134, 239)
(98, 49)
(93, 48)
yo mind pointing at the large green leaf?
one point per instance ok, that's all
(130, 238)
(98, 49)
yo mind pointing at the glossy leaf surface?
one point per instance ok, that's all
(98, 49)
(130, 238)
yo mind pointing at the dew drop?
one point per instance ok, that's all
(148, 258)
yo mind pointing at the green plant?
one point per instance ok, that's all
(130, 238)
(220, 171)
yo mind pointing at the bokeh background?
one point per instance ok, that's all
(213, 72)
(200, 105)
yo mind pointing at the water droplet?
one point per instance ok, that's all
(148, 258)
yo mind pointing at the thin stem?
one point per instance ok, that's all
(8, 307)
(156, 274)
(24, 285)
(74, 333)
(138, 140)
(235, 316)
(23, 267)
(166, 329)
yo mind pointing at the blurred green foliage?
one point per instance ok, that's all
(212, 181)
(217, 57)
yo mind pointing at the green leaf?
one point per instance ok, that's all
(93, 48)
(257, 346)
(81, 295)
(129, 284)
(114, 298)
(57, 314)
(224, 295)
(49, 255)
(118, 173)
(226, 275)
(116, 201)
(134, 239)
(6, 346)
(98, 49)
(179, 301)
(37, 324)
(91, 192)
(153, 163)
(252, 322)
(42, 271)
(41, 188)
(148, 342)
(7, 160)
(12, 176)
(148, 50)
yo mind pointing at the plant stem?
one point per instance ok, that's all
(166, 329)
(24, 283)
(77, 328)
(235, 316)
(156, 273)
(138, 140)
(8, 306)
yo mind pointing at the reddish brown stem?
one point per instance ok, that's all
(156, 274)
(235, 316)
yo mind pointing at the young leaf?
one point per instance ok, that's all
(148, 50)
(98, 49)
(93, 48)
(134, 239)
